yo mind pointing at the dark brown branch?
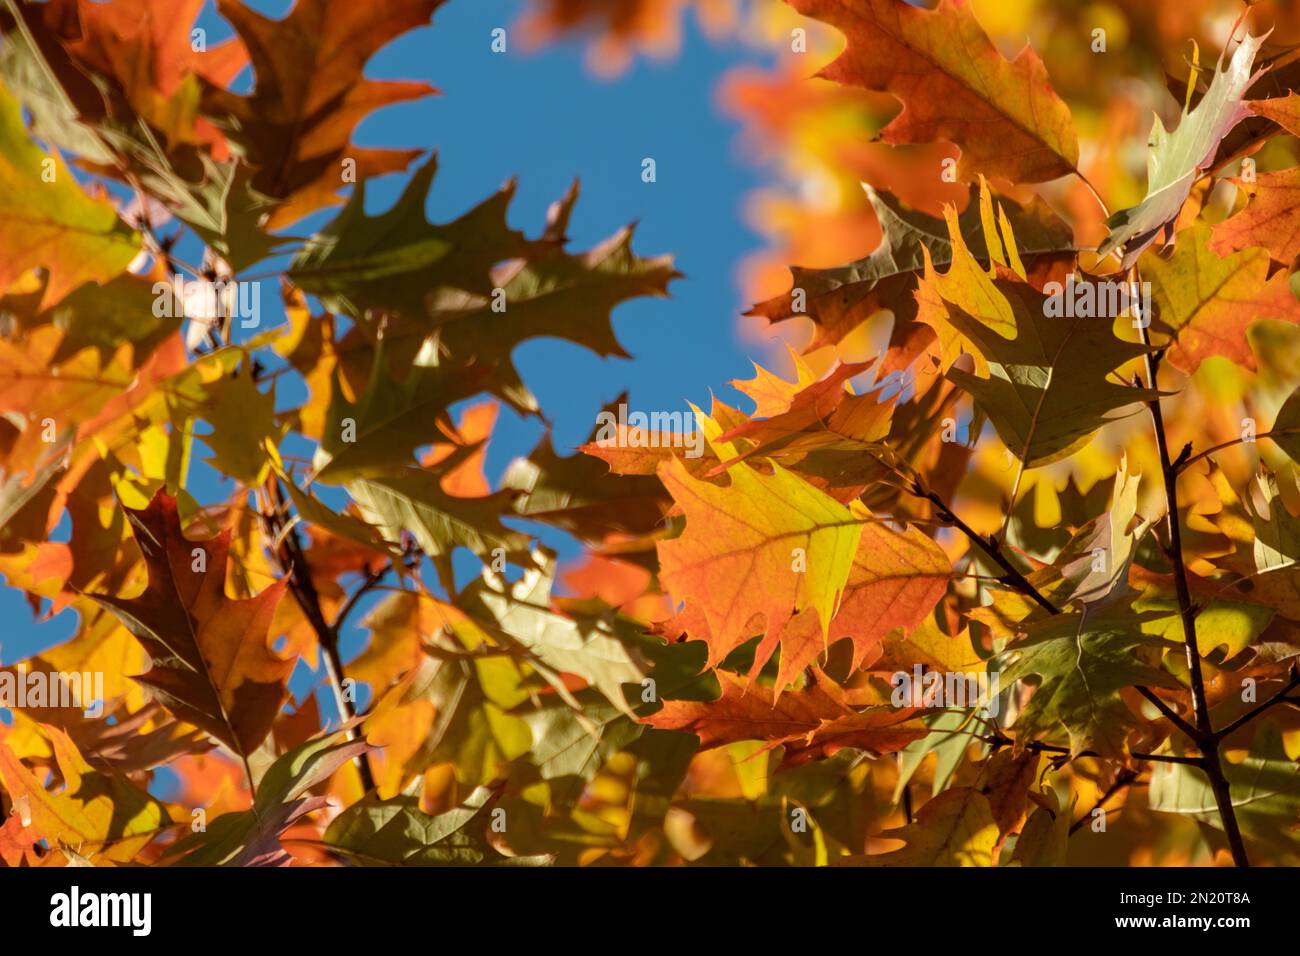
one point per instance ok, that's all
(1011, 575)
(1280, 697)
(372, 581)
(293, 561)
(1033, 746)
(1170, 713)
(1207, 741)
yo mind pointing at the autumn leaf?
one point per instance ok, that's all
(310, 93)
(1265, 789)
(954, 85)
(251, 837)
(683, 641)
(809, 724)
(48, 221)
(840, 299)
(1270, 219)
(1082, 662)
(742, 559)
(1209, 300)
(413, 501)
(398, 833)
(896, 578)
(1178, 157)
(956, 828)
(380, 431)
(95, 813)
(591, 648)
(395, 261)
(212, 661)
(1050, 381)
(243, 421)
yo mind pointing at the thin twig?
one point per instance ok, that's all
(1184, 464)
(1279, 698)
(991, 546)
(1123, 779)
(1034, 746)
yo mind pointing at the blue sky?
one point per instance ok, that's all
(543, 118)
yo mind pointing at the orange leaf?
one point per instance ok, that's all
(1271, 220)
(755, 551)
(954, 85)
(810, 724)
(311, 93)
(212, 661)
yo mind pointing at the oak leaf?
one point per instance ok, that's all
(954, 85)
(212, 661)
(1209, 301)
(95, 813)
(956, 828)
(1178, 157)
(310, 92)
(1049, 382)
(1082, 662)
(810, 724)
(738, 561)
(47, 220)
(840, 299)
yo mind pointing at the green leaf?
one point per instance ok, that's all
(587, 647)
(1265, 791)
(392, 262)
(243, 420)
(397, 832)
(413, 500)
(392, 418)
(251, 837)
(550, 293)
(1177, 158)
(1082, 662)
(1050, 386)
(570, 747)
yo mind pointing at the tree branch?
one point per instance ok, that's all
(1184, 463)
(1034, 746)
(1278, 698)
(1207, 741)
(1011, 576)
(293, 562)
(1170, 713)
